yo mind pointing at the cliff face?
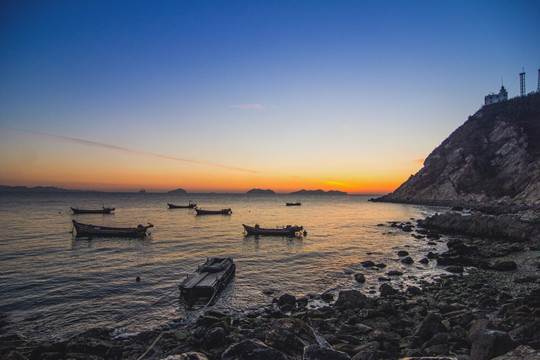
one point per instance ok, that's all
(493, 156)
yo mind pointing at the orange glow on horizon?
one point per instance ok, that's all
(196, 184)
(82, 165)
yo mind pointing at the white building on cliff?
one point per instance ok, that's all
(495, 98)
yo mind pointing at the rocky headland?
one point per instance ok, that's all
(493, 158)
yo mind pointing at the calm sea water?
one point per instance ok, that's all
(54, 285)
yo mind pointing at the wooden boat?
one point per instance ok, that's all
(208, 280)
(92, 211)
(188, 206)
(293, 204)
(211, 212)
(95, 230)
(288, 230)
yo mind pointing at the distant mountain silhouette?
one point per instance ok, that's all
(261, 192)
(36, 189)
(318, 192)
(177, 192)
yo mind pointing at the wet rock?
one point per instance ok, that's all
(13, 355)
(431, 325)
(387, 290)
(207, 320)
(187, 356)
(527, 279)
(424, 261)
(429, 358)
(487, 344)
(351, 299)
(402, 253)
(324, 312)
(253, 350)
(360, 278)
(407, 228)
(317, 352)
(367, 263)
(287, 299)
(380, 265)
(408, 260)
(520, 353)
(455, 269)
(327, 296)
(505, 266)
(394, 273)
(290, 336)
(413, 290)
(214, 337)
(432, 255)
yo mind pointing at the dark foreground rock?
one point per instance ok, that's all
(506, 227)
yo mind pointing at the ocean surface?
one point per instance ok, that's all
(54, 285)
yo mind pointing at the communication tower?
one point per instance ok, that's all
(522, 83)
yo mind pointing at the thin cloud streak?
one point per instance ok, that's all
(41, 135)
(248, 106)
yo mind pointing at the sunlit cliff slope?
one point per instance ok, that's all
(493, 157)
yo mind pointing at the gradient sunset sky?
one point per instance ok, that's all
(232, 95)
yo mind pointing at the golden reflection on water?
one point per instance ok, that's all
(45, 269)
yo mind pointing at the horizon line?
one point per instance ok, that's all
(186, 192)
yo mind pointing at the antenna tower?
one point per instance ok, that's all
(522, 83)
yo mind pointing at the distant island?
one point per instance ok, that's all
(261, 192)
(177, 192)
(318, 192)
(36, 189)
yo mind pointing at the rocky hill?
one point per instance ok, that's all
(261, 192)
(493, 157)
(318, 192)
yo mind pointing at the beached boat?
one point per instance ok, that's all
(293, 204)
(288, 230)
(211, 212)
(92, 211)
(96, 230)
(188, 206)
(208, 280)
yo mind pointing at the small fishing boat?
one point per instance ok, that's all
(95, 230)
(293, 204)
(288, 230)
(188, 206)
(105, 210)
(208, 280)
(212, 212)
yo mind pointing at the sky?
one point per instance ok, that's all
(227, 96)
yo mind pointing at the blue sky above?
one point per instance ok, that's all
(312, 86)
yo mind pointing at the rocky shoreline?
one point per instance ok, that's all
(486, 306)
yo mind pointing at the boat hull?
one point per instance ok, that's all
(106, 231)
(92, 211)
(289, 231)
(208, 280)
(190, 206)
(213, 212)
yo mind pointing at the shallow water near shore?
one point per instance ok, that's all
(54, 285)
